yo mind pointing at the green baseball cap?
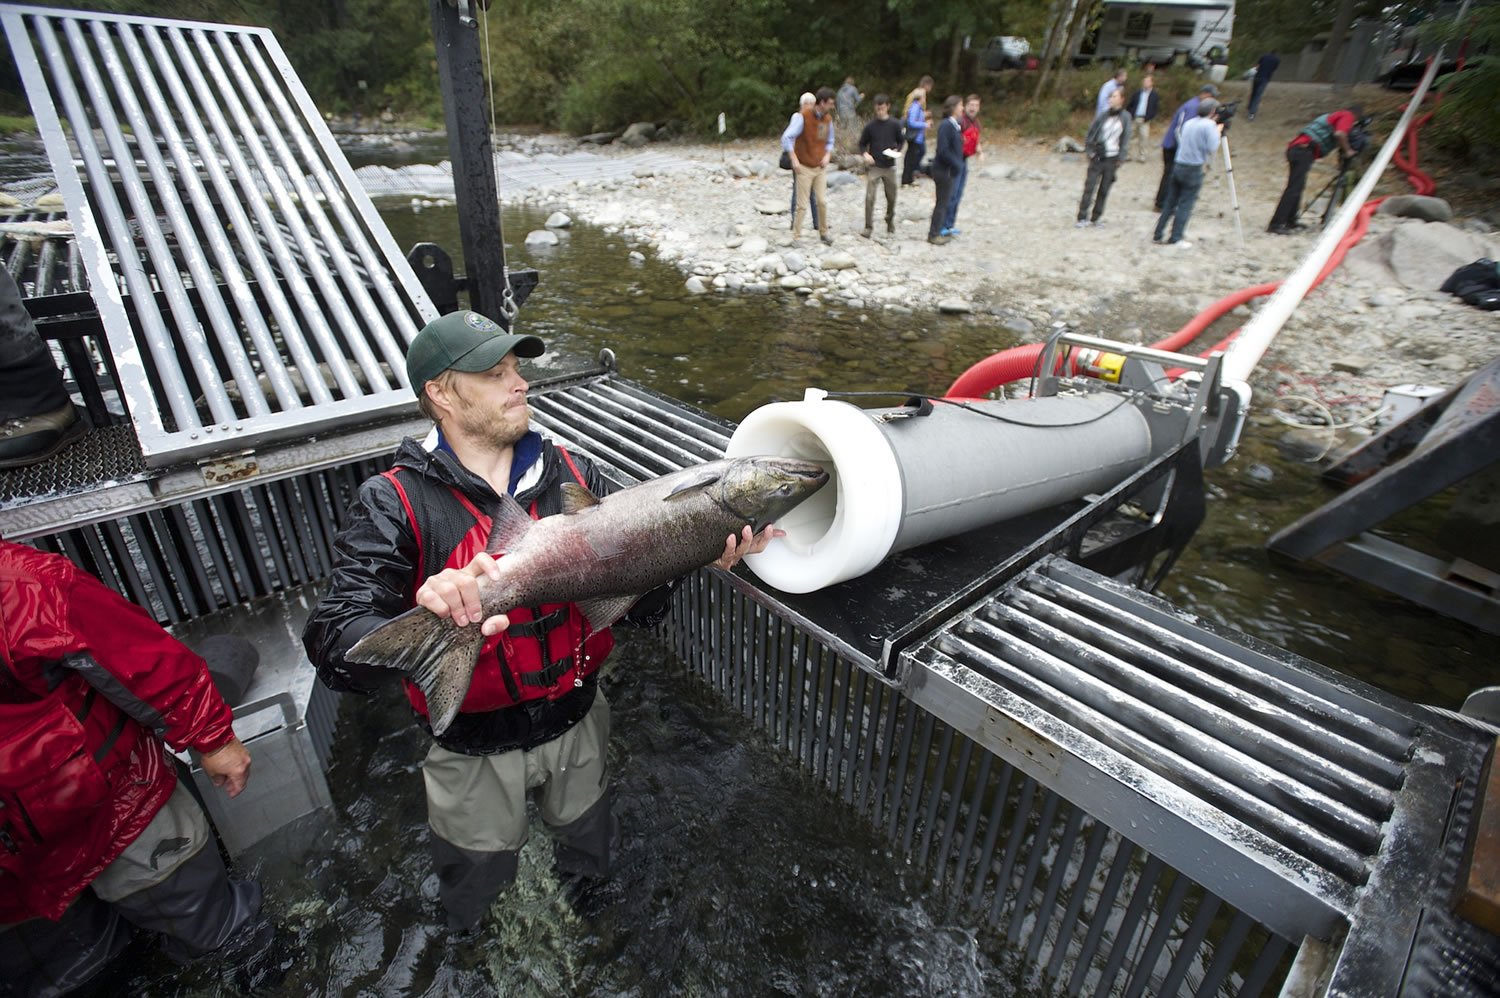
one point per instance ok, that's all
(463, 341)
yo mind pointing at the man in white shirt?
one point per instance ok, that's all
(1105, 145)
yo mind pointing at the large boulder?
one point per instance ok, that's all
(1417, 255)
(1428, 209)
(638, 134)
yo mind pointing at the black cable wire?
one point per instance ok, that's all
(1124, 400)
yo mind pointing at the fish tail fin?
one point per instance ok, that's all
(434, 653)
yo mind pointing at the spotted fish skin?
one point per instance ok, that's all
(602, 554)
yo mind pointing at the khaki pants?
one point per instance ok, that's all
(875, 178)
(172, 838)
(476, 805)
(478, 802)
(811, 181)
(1140, 137)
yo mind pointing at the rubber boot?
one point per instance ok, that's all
(583, 845)
(469, 880)
(41, 958)
(198, 908)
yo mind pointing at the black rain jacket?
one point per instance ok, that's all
(376, 570)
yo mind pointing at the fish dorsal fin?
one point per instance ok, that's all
(508, 524)
(576, 497)
(701, 481)
(605, 610)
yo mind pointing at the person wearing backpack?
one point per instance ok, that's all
(1317, 139)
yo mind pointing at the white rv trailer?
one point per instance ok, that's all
(1163, 30)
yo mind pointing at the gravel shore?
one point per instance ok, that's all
(1020, 262)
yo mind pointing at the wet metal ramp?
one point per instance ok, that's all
(1314, 803)
(1135, 803)
(249, 289)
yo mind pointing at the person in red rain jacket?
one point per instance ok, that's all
(94, 827)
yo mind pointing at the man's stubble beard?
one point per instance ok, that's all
(491, 429)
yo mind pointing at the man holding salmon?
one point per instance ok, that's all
(509, 691)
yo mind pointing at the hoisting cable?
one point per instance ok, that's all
(508, 307)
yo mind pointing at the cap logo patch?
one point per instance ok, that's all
(481, 323)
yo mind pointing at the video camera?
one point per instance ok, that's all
(1224, 112)
(1359, 139)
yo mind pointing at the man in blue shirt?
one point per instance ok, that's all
(1187, 112)
(1195, 147)
(1116, 82)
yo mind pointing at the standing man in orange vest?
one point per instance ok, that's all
(809, 140)
(534, 716)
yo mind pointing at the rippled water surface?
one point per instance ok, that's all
(739, 875)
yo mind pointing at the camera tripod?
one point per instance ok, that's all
(1334, 190)
(1229, 176)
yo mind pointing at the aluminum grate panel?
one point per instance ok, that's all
(630, 431)
(249, 288)
(1314, 803)
(1086, 910)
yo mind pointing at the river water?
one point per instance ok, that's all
(737, 875)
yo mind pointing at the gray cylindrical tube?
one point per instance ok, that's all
(898, 480)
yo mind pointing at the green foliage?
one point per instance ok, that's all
(1466, 116)
(1048, 118)
(591, 65)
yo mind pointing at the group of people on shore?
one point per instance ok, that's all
(812, 135)
(1190, 142)
(1121, 130)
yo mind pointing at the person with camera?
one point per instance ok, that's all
(1185, 113)
(1317, 139)
(1195, 147)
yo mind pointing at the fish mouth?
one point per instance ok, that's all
(807, 474)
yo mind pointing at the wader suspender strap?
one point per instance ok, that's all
(411, 516)
(542, 624)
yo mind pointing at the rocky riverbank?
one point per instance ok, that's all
(1019, 262)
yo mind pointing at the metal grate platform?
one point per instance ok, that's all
(249, 289)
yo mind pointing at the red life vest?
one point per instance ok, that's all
(546, 652)
(79, 781)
